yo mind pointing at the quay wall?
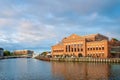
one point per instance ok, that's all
(84, 59)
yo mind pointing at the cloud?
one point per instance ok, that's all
(24, 32)
(39, 24)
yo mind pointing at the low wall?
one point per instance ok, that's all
(84, 59)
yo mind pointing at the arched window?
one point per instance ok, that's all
(80, 55)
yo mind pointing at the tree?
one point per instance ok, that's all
(115, 39)
(6, 53)
(12, 54)
(44, 53)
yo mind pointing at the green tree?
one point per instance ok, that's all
(44, 53)
(12, 54)
(6, 53)
(115, 39)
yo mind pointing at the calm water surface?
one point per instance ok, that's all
(32, 69)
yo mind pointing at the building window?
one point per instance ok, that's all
(72, 49)
(99, 48)
(88, 49)
(78, 49)
(102, 48)
(81, 49)
(96, 48)
(66, 48)
(93, 48)
(75, 49)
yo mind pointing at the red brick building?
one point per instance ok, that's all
(23, 52)
(95, 45)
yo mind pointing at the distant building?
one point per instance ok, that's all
(95, 45)
(23, 52)
(115, 48)
(46, 54)
(1, 51)
(115, 51)
(49, 54)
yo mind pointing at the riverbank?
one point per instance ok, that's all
(42, 58)
(81, 59)
(84, 59)
(9, 57)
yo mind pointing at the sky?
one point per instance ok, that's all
(39, 24)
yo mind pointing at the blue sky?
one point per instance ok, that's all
(39, 24)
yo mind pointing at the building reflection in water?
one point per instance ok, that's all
(81, 71)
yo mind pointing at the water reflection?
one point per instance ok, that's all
(24, 69)
(81, 71)
(32, 69)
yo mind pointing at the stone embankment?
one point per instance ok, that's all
(84, 59)
(80, 59)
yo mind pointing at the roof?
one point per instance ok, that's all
(91, 35)
(73, 36)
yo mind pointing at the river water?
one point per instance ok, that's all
(32, 69)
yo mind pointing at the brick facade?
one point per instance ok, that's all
(95, 45)
(23, 52)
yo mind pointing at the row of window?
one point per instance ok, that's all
(95, 55)
(74, 45)
(58, 50)
(95, 48)
(74, 49)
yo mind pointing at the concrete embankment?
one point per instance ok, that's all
(82, 59)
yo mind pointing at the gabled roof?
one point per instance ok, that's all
(73, 36)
